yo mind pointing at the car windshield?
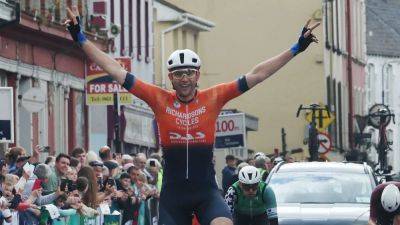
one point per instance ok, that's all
(318, 187)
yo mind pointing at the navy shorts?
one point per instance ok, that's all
(179, 203)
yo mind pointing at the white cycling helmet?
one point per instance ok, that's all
(390, 198)
(183, 58)
(259, 154)
(249, 175)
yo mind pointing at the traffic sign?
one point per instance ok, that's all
(325, 143)
(34, 99)
(326, 120)
(230, 131)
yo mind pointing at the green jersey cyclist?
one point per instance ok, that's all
(250, 200)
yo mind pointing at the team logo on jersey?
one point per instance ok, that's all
(177, 105)
(196, 137)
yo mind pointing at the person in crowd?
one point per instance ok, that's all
(80, 154)
(228, 172)
(235, 177)
(33, 193)
(106, 156)
(58, 172)
(289, 158)
(72, 174)
(12, 155)
(262, 164)
(140, 162)
(129, 202)
(91, 196)
(153, 166)
(125, 159)
(91, 156)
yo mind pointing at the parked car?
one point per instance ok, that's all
(323, 193)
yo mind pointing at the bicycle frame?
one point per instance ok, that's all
(383, 146)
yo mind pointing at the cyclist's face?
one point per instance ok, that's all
(184, 81)
(249, 190)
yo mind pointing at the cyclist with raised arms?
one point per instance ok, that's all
(186, 120)
(250, 200)
(384, 204)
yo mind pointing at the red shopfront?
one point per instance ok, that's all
(43, 57)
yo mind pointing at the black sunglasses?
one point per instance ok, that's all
(247, 187)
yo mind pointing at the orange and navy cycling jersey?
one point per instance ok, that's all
(187, 130)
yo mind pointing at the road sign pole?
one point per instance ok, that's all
(117, 141)
(284, 146)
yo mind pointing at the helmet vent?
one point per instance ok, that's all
(194, 60)
(182, 57)
(170, 62)
(250, 176)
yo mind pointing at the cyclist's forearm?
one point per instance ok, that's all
(267, 68)
(103, 60)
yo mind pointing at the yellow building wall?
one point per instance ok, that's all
(246, 33)
(180, 38)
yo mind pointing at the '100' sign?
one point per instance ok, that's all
(225, 125)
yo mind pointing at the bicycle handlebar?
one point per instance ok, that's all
(314, 107)
(298, 110)
(381, 114)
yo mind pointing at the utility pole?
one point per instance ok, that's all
(117, 139)
(284, 145)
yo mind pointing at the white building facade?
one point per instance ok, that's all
(383, 70)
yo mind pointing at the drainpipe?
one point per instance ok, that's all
(163, 33)
(349, 73)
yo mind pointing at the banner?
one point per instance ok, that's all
(100, 87)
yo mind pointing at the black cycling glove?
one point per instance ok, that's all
(76, 31)
(302, 43)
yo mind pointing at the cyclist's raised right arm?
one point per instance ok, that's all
(103, 60)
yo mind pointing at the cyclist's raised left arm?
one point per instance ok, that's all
(268, 67)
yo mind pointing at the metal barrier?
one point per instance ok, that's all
(151, 217)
